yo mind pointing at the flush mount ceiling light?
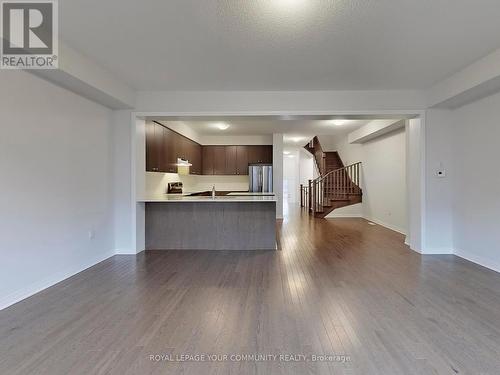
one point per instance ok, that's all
(288, 4)
(339, 122)
(222, 126)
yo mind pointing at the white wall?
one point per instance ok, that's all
(476, 182)
(55, 165)
(122, 181)
(291, 171)
(278, 173)
(84, 77)
(438, 201)
(383, 177)
(156, 183)
(307, 170)
(239, 103)
(384, 180)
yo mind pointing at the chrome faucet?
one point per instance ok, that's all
(213, 191)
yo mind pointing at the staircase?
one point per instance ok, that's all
(332, 161)
(337, 186)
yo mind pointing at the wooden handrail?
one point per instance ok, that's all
(314, 147)
(338, 184)
(335, 170)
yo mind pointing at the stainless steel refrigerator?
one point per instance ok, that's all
(261, 178)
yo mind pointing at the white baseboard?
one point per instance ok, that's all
(388, 226)
(125, 252)
(376, 221)
(492, 265)
(437, 251)
(334, 215)
(34, 288)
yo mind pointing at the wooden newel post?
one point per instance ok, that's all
(309, 196)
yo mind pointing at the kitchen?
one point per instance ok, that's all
(208, 196)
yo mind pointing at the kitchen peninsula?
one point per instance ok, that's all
(179, 210)
(236, 221)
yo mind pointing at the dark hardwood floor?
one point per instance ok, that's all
(337, 287)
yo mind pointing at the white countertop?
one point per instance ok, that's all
(204, 199)
(247, 193)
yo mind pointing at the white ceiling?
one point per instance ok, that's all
(271, 126)
(281, 44)
(295, 132)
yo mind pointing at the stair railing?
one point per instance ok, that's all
(314, 147)
(304, 195)
(337, 184)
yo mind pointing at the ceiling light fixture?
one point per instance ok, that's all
(222, 126)
(287, 4)
(339, 122)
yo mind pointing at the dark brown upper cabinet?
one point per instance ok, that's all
(154, 147)
(164, 146)
(242, 160)
(260, 154)
(230, 160)
(207, 159)
(170, 145)
(268, 154)
(195, 158)
(225, 160)
(219, 160)
(183, 151)
(150, 147)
